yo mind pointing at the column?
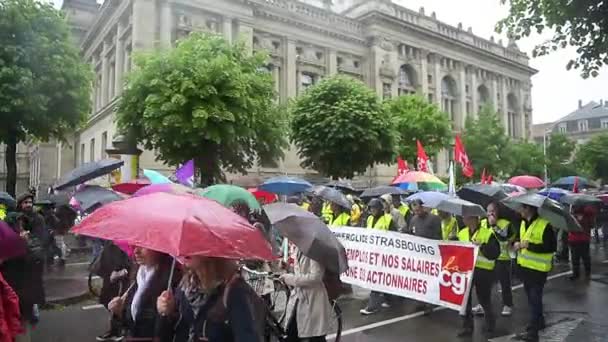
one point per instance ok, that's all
(494, 94)
(144, 24)
(104, 74)
(474, 100)
(438, 97)
(167, 24)
(505, 106)
(463, 97)
(298, 81)
(332, 62)
(119, 59)
(276, 76)
(522, 114)
(291, 79)
(246, 34)
(424, 79)
(227, 29)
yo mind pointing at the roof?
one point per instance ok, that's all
(588, 111)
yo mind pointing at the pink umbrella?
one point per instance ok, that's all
(528, 182)
(125, 247)
(168, 188)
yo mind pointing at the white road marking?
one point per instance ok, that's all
(92, 307)
(78, 264)
(419, 313)
(555, 333)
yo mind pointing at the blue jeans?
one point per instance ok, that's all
(534, 290)
(97, 247)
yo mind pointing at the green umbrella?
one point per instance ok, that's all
(227, 194)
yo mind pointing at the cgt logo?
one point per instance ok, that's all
(455, 275)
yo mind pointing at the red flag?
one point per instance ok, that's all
(575, 186)
(490, 179)
(402, 167)
(422, 159)
(460, 155)
(483, 176)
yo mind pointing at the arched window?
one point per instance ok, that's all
(407, 80)
(449, 100)
(512, 115)
(483, 96)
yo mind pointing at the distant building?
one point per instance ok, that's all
(581, 125)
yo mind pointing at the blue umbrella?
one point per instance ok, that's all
(156, 177)
(553, 193)
(568, 183)
(430, 199)
(284, 185)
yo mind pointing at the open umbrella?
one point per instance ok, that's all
(568, 183)
(92, 197)
(460, 207)
(430, 199)
(310, 234)
(528, 182)
(7, 200)
(176, 189)
(179, 225)
(551, 210)
(11, 245)
(284, 185)
(131, 187)
(156, 177)
(88, 171)
(580, 200)
(554, 193)
(417, 180)
(342, 186)
(227, 194)
(482, 194)
(332, 195)
(383, 190)
(264, 196)
(511, 188)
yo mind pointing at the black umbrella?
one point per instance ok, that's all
(460, 207)
(310, 234)
(7, 199)
(383, 190)
(93, 197)
(342, 185)
(88, 171)
(580, 200)
(484, 194)
(332, 195)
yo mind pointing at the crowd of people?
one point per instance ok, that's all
(205, 298)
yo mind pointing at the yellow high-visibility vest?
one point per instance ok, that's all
(383, 223)
(482, 235)
(326, 212)
(355, 214)
(504, 245)
(305, 206)
(404, 210)
(340, 221)
(447, 227)
(542, 262)
(2, 212)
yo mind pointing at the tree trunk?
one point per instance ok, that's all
(208, 167)
(10, 157)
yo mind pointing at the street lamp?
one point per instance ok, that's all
(545, 132)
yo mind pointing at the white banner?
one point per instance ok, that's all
(435, 272)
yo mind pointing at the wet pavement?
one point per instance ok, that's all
(574, 310)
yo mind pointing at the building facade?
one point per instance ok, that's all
(394, 50)
(581, 125)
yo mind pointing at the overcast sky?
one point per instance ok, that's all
(555, 91)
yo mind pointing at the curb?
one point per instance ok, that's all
(65, 301)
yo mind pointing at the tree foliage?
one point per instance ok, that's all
(340, 128)
(582, 24)
(417, 119)
(593, 156)
(560, 149)
(524, 158)
(44, 85)
(486, 143)
(206, 100)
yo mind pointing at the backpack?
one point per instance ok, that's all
(259, 310)
(334, 286)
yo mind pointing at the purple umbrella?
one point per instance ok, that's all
(11, 245)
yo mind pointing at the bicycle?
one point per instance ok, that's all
(276, 299)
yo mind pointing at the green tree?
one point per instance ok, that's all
(593, 157)
(525, 158)
(44, 85)
(560, 149)
(582, 24)
(206, 100)
(486, 143)
(417, 119)
(340, 128)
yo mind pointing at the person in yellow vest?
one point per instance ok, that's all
(483, 276)
(449, 226)
(536, 244)
(355, 212)
(2, 212)
(504, 234)
(340, 217)
(396, 215)
(326, 212)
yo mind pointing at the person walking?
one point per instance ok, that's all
(340, 216)
(483, 275)
(536, 244)
(579, 243)
(397, 216)
(423, 223)
(505, 234)
(449, 226)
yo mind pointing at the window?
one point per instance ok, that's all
(604, 123)
(562, 128)
(111, 81)
(429, 78)
(468, 108)
(386, 91)
(430, 97)
(466, 87)
(583, 125)
(104, 144)
(92, 150)
(81, 154)
(407, 80)
(307, 80)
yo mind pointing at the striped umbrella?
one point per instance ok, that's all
(418, 180)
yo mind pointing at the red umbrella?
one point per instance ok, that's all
(131, 187)
(265, 196)
(528, 182)
(179, 225)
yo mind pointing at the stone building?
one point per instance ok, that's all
(391, 48)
